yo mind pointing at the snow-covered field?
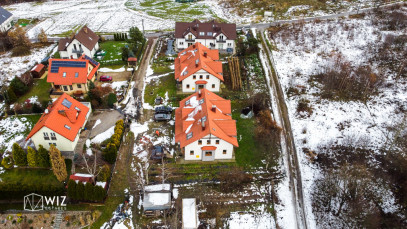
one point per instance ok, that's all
(305, 51)
(16, 66)
(60, 17)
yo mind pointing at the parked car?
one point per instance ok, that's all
(105, 78)
(157, 153)
(163, 110)
(162, 117)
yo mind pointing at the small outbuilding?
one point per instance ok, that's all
(37, 71)
(190, 218)
(132, 61)
(157, 199)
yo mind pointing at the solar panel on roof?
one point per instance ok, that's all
(66, 103)
(55, 65)
(91, 60)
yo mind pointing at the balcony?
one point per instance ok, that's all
(189, 40)
(55, 91)
(78, 51)
(221, 41)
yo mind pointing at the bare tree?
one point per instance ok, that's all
(91, 169)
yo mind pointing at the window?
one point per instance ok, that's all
(204, 119)
(46, 137)
(229, 44)
(53, 136)
(187, 85)
(208, 153)
(207, 77)
(199, 142)
(201, 77)
(208, 142)
(221, 37)
(209, 33)
(187, 102)
(191, 152)
(64, 74)
(70, 87)
(217, 142)
(224, 151)
(68, 127)
(213, 85)
(189, 136)
(181, 43)
(201, 101)
(190, 37)
(194, 77)
(77, 108)
(65, 88)
(79, 85)
(74, 46)
(201, 33)
(76, 74)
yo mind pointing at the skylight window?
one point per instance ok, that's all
(204, 119)
(76, 74)
(64, 74)
(66, 103)
(76, 108)
(68, 127)
(201, 101)
(187, 102)
(189, 136)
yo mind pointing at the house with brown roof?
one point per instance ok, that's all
(204, 128)
(84, 42)
(198, 67)
(71, 76)
(211, 34)
(61, 124)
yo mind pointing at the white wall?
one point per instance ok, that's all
(223, 145)
(206, 43)
(5, 26)
(62, 143)
(67, 54)
(193, 87)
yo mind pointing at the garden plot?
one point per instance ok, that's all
(304, 51)
(16, 66)
(107, 16)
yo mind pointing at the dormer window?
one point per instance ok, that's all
(68, 127)
(209, 33)
(201, 33)
(64, 74)
(189, 136)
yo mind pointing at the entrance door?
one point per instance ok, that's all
(208, 156)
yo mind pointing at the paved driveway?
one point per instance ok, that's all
(107, 119)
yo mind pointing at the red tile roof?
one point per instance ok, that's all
(83, 75)
(132, 59)
(195, 27)
(201, 82)
(80, 178)
(208, 148)
(195, 58)
(190, 116)
(61, 119)
(38, 68)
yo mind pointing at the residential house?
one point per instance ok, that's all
(61, 124)
(212, 34)
(71, 75)
(204, 128)
(156, 199)
(84, 42)
(198, 67)
(6, 19)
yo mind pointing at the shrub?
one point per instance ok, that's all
(72, 186)
(43, 157)
(89, 192)
(80, 191)
(32, 157)
(7, 162)
(11, 96)
(104, 174)
(233, 179)
(111, 100)
(304, 107)
(110, 153)
(18, 86)
(19, 156)
(57, 163)
(21, 51)
(267, 128)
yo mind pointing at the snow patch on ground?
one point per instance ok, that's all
(103, 136)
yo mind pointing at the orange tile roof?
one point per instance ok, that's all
(61, 119)
(208, 148)
(83, 75)
(38, 68)
(193, 59)
(193, 111)
(201, 82)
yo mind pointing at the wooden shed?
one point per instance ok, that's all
(132, 61)
(38, 71)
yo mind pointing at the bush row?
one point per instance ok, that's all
(110, 152)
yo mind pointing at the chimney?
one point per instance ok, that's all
(214, 108)
(193, 45)
(62, 112)
(205, 54)
(196, 63)
(203, 124)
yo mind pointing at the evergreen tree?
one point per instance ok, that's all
(80, 191)
(19, 156)
(136, 36)
(99, 193)
(43, 157)
(115, 36)
(104, 174)
(110, 153)
(32, 157)
(72, 189)
(11, 96)
(18, 86)
(111, 99)
(58, 163)
(7, 162)
(88, 192)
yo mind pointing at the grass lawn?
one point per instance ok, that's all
(161, 65)
(161, 86)
(40, 88)
(69, 32)
(18, 182)
(113, 51)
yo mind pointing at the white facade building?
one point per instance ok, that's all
(6, 19)
(84, 42)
